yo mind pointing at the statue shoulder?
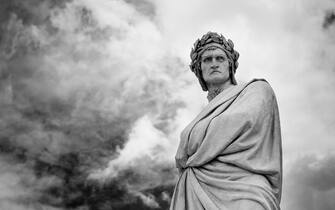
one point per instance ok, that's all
(261, 88)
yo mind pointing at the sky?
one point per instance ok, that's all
(101, 91)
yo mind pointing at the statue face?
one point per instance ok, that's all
(215, 67)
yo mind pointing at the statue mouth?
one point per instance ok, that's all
(215, 71)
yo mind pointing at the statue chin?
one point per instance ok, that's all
(217, 80)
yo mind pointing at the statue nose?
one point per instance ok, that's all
(214, 65)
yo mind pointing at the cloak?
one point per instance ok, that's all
(230, 155)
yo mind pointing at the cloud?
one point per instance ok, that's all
(144, 141)
(77, 76)
(16, 183)
(144, 6)
(329, 19)
(309, 184)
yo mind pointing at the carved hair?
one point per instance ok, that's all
(208, 41)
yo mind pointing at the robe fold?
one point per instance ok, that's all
(230, 155)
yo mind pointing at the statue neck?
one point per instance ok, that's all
(213, 91)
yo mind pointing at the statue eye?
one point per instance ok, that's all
(207, 59)
(220, 58)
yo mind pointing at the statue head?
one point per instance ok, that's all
(212, 41)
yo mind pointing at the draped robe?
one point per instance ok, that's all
(230, 155)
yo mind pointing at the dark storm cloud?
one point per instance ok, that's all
(310, 184)
(322, 174)
(69, 98)
(329, 19)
